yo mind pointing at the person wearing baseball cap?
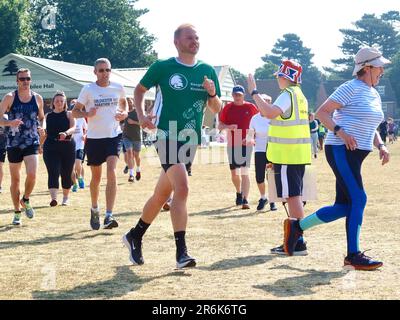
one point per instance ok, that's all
(357, 113)
(235, 118)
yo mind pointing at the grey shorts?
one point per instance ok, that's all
(129, 144)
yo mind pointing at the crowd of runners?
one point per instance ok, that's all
(283, 134)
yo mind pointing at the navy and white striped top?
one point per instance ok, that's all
(360, 115)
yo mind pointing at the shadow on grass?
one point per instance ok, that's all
(47, 240)
(300, 285)
(127, 214)
(11, 211)
(9, 227)
(213, 212)
(240, 262)
(123, 282)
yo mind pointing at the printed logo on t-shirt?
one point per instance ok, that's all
(178, 81)
(105, 102)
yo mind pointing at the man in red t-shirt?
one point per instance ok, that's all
(235, 118)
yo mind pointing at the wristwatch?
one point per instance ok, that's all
(336, 129)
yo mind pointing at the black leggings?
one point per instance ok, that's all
(260, 160)
(59, 158)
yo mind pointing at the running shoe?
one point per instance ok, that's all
(261, 204)
(75, 187)
(359, 261)
(272, 206)
(126, 170)
(94, 219)
(185, 261)
(245, 204)
(138, 176)
(239, 199)
(110, 222)
(53, 203)
(131, 179)
(135, 248)
(17, 219)
(299, 250)
(81, 183)
(29, 212)
(292, 233)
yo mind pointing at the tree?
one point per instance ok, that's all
(266, 71)
(291, 47)
(237, 75)
(106, 29)
(11, 22)
(370, 31)
(11, 68)
(393, 73)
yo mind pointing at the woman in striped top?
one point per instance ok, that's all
(357, 112)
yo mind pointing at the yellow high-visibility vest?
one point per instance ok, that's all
(289, 134)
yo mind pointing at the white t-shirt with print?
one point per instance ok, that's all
(80, 126)
(106, 100)
(260, 125)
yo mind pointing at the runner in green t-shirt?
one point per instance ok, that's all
(185, 87)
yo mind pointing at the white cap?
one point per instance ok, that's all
(369, 56)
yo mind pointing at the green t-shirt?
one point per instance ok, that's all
(180, 98)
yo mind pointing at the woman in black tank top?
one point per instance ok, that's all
(59, 148)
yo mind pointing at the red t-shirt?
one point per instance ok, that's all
(239, 115)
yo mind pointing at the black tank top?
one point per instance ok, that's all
(56, 123)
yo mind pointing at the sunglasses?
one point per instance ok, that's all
(24, 79)
(103, 70)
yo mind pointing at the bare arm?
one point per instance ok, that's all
(268, 110)
(122, 113)
(78, 111)
(40, 103)
(144, 121)
(4, 107)
(324, 113)
(214, 103)
(223, 126)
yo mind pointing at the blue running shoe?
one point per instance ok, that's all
(135, 249)
(81, 183)
(359, 261)
(292, 233)
(75, 188)
(239, 199)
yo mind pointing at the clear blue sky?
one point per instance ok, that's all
(239, 33)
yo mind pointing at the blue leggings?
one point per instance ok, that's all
(351, 198)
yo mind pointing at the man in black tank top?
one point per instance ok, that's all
(25, 110)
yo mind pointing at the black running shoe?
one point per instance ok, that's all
(359, 261)
(272, 206)
(292, 233)
(110, 222)
(135, 248)
(300, 250)
(126, 169)
(239, 199)
(261, 204)
(94, 219)
(185, 261)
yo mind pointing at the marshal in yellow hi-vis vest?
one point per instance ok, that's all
(289, 134)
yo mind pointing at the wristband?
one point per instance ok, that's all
(212, 96)
(255, 91)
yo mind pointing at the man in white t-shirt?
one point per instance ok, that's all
(258, 135)
(103, 103)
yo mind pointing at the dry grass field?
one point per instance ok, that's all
(57, 256)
